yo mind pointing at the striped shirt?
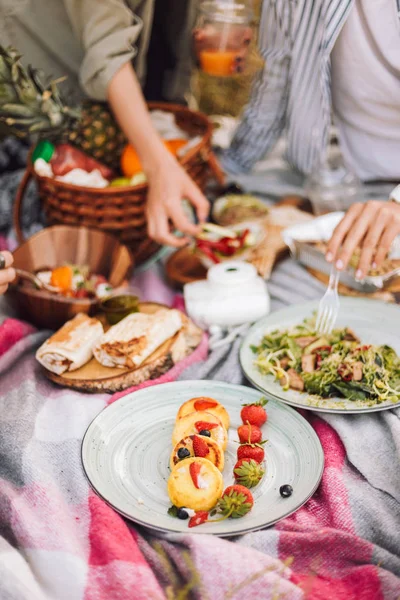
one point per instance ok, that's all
(293, 91)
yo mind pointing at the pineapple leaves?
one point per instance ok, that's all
(16, 110)
(29, 104)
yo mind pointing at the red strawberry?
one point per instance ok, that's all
(253, 451)
(249, 434)
(255, 413)
(236, 501)
(200, 447)
(204, 403)
(194, 470)
(248, 472)
(200, 425)
(198, 519)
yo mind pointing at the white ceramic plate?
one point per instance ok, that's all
(374, 322)
(126, 450)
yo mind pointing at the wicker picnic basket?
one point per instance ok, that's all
(121, 210)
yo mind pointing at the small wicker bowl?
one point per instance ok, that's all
(53, 247)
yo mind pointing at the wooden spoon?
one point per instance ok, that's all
(36, 281)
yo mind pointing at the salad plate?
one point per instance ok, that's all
(126, 452)
(374, 323)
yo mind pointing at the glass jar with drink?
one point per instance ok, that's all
(222, 38)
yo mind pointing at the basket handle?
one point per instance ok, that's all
(215, 167)
(18, 204)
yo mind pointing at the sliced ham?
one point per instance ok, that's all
(284, 362)
(295, 381)
(303, 342)
(308, 363)
(357, 371)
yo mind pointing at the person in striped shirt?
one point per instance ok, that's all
(324, 59)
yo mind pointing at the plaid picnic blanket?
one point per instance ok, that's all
(58, 540)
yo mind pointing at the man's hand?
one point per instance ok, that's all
(169, 184)
(7, 274)
(372, 227)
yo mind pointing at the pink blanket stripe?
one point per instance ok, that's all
(11, 332)
(328, 560)
(324, 527)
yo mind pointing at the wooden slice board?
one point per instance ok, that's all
(94, 377)
(391, 293)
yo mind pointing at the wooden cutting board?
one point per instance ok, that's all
(94, 377)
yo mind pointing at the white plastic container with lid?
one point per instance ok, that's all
(232, 294)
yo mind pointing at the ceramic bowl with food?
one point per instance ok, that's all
(63, 254)
(231, 209)
(217, 244)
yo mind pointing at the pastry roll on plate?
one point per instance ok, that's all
(135, 338)
(71, 346)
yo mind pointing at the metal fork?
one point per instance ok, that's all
(329, 305)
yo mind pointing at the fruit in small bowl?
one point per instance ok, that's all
(50, 250)
(216, 244)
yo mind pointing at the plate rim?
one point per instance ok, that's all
(157, 528)
(313, 304)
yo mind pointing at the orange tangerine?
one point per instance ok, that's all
(61, 277)
(130, 161)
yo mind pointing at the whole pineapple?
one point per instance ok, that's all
(28, 107)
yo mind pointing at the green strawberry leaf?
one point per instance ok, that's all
(173, 511)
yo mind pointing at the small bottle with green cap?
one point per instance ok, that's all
(43, 149)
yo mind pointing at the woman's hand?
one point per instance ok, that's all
(372, 227)
(7, 274)
(169, 184)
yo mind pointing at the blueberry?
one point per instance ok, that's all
(205, 432)
(182, 514)
(183, 453)
(286, 490)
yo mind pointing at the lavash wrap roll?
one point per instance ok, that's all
(135, 338)
(70, 347)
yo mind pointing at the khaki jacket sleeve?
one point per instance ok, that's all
(107, 31)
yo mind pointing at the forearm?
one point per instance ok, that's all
(128, 104)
